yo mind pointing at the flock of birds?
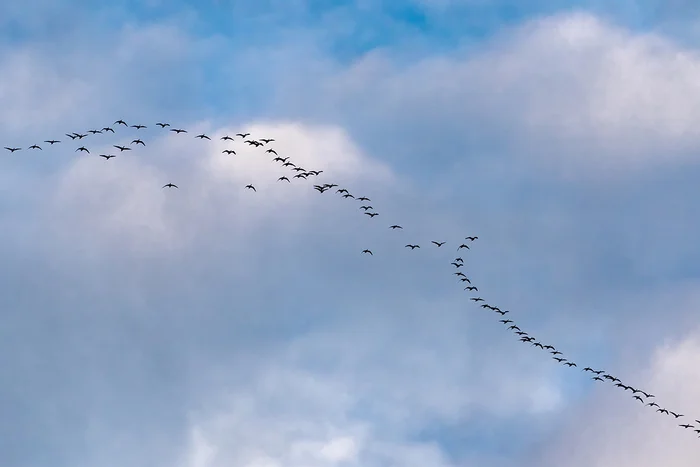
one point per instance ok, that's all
(296, 172)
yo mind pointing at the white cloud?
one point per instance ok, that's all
(568, 92)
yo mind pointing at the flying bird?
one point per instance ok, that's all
(203, 136)
(138, 141)
(170, 185)
(471, 238)
(138, 127)
(393, 227)
(463, 246)
(283, 178)
(178, 130)
(122, 148)
(82, 148)
(243, 135)
(163, 125)
(107, 156)
(251, 187)
(367, 251)
(13, 149)
(120, 122)
(372, 214)
(439, 244)
(266, 140)
(412, 247)
(364, 198)
(228, 151)
(51, 141)
(471, 287)
(226, 138)
(477, 299)
(272, 151)
(108, 129)
(34, 146)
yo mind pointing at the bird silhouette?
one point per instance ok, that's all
(34, 146)
(178, 130)
(439, 244)
(251, 187)
(120, 122)
(203, 136)
(107, 156)
(122, 148)
(51, 141)
(138, 127)
(394, 227)
(412, 247)
(163, 125)
(138, 141)
(283, 178)
(226, 138)
(170, 185)
(13, 149)
(368, 251)
(82, 148)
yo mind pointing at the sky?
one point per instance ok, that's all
(214, 326)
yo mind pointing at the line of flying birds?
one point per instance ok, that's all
(643, 397)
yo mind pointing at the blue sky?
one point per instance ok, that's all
(212, 326)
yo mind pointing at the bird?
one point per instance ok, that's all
(463, 246)
(368, 251)
(477, 299)
(122, 148)
(348, 195)
(178, 130)
(570, 364)
(243, 135)
(51, 141)
(686, 426)
(108, 129)
(226, 138)
(71, 136)
(280, 159)
(94, 132)
(203, 136)
(266, 140)
(366, 207)
(34, 146)
(272, 151)
(364, 198)
(163, 125)
(138, 127)
(82, 148)
(505, 321)
(471, 238)
(412, 247)
(170, 185)
(439, 244)
(138, 141)
(639, 399)
(251, 187)
(559, 359)
(120, 122)
(372, 214)
(13, 149)
(471, 287)
(283, 178)
(598, 378)
(107, 156)
(394, 227)
(677, 415)
(228, 151)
